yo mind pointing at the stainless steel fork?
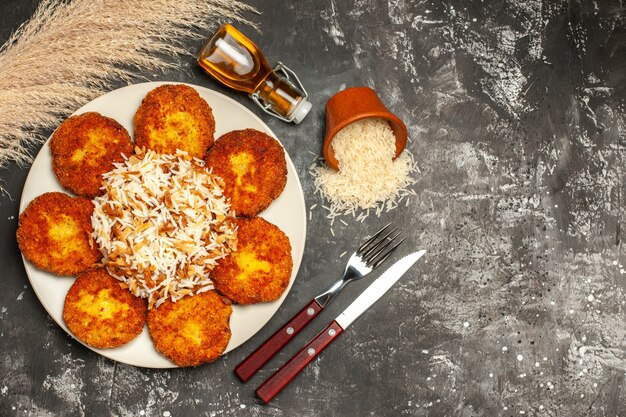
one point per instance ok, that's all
(364, 260)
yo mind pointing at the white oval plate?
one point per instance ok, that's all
(288, 212)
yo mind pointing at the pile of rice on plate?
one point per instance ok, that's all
(162, 224)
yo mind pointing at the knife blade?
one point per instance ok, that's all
(279, 380)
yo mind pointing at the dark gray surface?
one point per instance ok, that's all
(516, 117)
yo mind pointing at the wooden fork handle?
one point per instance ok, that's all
(267, 350)
(279, 380)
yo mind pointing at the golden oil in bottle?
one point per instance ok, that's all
(237, 62)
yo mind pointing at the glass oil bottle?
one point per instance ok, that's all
(237, 62)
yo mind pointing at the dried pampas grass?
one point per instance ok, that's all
(70, 51)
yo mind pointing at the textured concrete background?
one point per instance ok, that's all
(516, 116)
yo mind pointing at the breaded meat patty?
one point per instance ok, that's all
(173, 117)
(54, 233)
(83, 148)
(260, 269)
(253, 166)
(101, 313)
(193, 330)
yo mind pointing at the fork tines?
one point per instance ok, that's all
(376, 249)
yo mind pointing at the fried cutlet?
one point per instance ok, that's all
(193, 330)
(83, 148)
(101, 313)
(173, 117)
(253, 166)
(54, 233)
(260, 269)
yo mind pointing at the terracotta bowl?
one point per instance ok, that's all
(351, 105)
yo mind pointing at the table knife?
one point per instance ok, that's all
(275, 383)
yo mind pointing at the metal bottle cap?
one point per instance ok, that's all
(301, 109)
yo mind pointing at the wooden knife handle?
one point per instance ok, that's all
(267, 350)
(279, 380)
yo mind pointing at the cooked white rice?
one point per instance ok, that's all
(162, 225)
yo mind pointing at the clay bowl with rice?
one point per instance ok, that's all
(354, 104)
(367, 167)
